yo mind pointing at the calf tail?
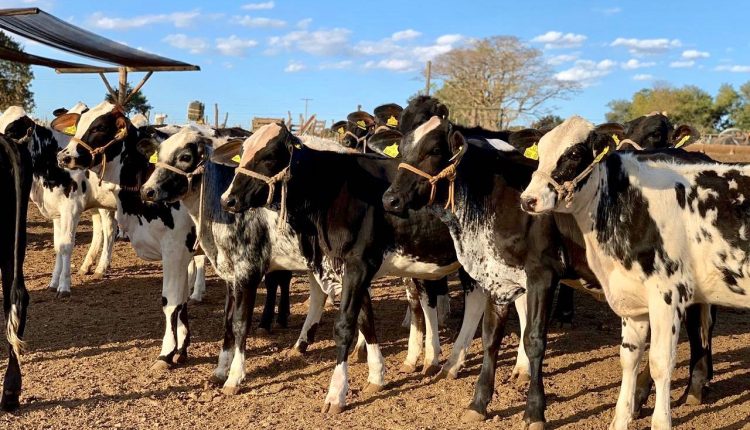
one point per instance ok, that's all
(16, 297)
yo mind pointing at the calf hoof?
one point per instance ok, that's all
(160, 366)
(539, 425)
(332, 408)
(63, 294)
(445, 374)
(691, 399)
(407, 368)
(230, 391)
(371, 388)
(179, 358)
(472, 416)
(430, 370)
(520, 380)
(84, 270)
(10, 402)
(294, 352)
(52, 288)
(216, 379)
(97, 276)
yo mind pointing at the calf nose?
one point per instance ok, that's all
(229, 203)
(528, 204)
(148, 194)
(66, 160)
(392, 202)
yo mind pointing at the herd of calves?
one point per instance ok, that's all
(625, 212)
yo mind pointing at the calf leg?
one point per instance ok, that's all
(284, 310)
(521, 370)
(634, 332)
(197, 278)
(314, 312)
(375, 362)
(266, 318)
(474, 309)
(699, 321)
(665, 329)
(416, 329)
(68, 224)
(428, 299)
(174, 305)
(493, 329)
(12, 382)
(244, 301)
(55, 281)
(96, 244)
(227, 348)
(109, 230)
(565, 308)
(357, 279)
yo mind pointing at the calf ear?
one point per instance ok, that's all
(149, 148)
(66, 123)
(684, 135)
(441, 110)
(229, 153)
(386, 143)
(457, 144)
(525, 141)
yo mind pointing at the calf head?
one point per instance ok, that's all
(359, 125)
(180, 158)
(99, 134)
(419, 111)
(15, 124)
(265, 159)
(564, 154)
(429, 149)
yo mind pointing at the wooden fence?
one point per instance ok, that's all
(725, 153)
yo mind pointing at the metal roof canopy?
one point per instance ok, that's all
(39, 26)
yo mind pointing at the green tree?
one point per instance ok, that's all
(137, 103)
(547, 122)
(497, 81)
(619, 111)
(15, 79)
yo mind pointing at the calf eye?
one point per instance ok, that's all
(435, 151)
(186, 158)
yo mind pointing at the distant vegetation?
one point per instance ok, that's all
(15, 79)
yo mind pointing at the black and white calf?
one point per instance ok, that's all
(15, 184)
(493, 237)
(662, 231)
(333, 199)
(107, 143)
(62, 196)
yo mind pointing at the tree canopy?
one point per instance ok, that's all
(497, 81)
(138, 103)
(15, 79)
(688, 104)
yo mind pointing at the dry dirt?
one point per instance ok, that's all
(89, 359)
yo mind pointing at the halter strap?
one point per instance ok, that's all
(271, 181)
(448, 173)
(199, 169)
(119, 137)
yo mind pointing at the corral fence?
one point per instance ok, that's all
(724, 153)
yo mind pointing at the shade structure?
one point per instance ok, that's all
(39, 26)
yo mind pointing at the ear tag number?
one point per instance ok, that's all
(532, 152)
(391, 151)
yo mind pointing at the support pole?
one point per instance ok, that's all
(138, 87)
(226, 117)
(109, 87)
(216, 115)
(121, 96)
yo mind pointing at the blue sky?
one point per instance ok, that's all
(260, 58)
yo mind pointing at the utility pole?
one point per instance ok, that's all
(428, 74)
(306, 101)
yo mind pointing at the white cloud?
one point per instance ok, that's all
(393, 64)
(611, 10)
(344, 64)
(320, 42)
(643, 77)
(295, 66)
(178, 19)
(633, 64)
(258, 22)
(449, 39)
(682, 64)
(646, 46)
(692, 54)
(194, 45)
(258, 6)
(304, 23)
(557, 39)
(733, 68)
(587, 72)
(234, 46)
(405, 34)
(561, 59)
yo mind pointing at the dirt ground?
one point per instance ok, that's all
(89, 359)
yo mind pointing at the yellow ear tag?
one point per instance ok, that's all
(391, 151)
(682, 141)
(616, 139)
(532, 152)
(341, 131)
(362, 125)
(70, 131)
(298, 145)
(392, 122)
(236, 158)
(601, 155)
(154, 158)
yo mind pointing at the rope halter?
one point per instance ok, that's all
(119, 137)
(199, 170)
(271, 181)
(448, 173)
